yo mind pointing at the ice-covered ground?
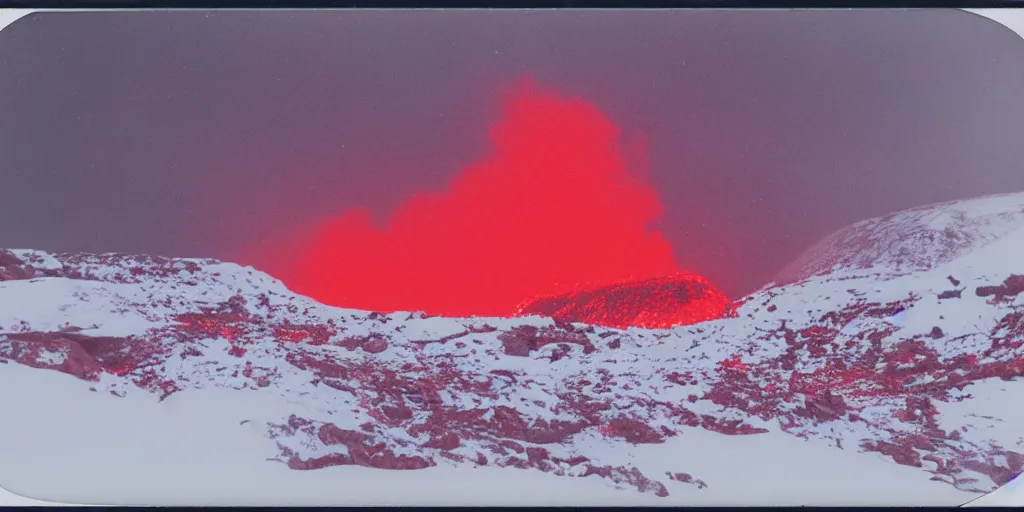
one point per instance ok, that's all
(191, 449)
(884, 368)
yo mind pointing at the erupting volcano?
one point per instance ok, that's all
(560, 208)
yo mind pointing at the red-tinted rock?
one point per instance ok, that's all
(51, 351)
(654, 303)
(634, 431)
(522, 340)
(375, 346)
(12, 268)
(363, 453)
(447, 441)
(1011, 287)
(687, 478)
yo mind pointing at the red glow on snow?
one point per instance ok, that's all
(559, 206)
(654, 303)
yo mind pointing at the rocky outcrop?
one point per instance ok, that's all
(657, 303)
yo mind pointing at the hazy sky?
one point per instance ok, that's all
(197, 134)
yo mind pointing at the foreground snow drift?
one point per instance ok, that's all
(192, 449)
(876, 379)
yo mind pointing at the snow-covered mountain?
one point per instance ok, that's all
(886, 366)
(911, 240)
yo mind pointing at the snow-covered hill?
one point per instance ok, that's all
(912, 240)
(886, 369)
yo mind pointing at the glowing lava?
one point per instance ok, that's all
(654, 303)
(554, 209)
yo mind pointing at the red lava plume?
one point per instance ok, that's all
(554, 209)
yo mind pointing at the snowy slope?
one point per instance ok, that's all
(883, 371)
(912, 240)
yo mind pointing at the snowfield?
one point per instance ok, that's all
(885, 366)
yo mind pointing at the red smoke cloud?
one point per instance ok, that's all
(557, 206)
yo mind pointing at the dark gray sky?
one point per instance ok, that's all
(198, 134)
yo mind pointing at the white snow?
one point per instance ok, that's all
(1009, 495)
(98, 449)
(208, 444)
(49, 303)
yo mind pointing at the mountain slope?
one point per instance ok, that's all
(879, 352)
(911, 240)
